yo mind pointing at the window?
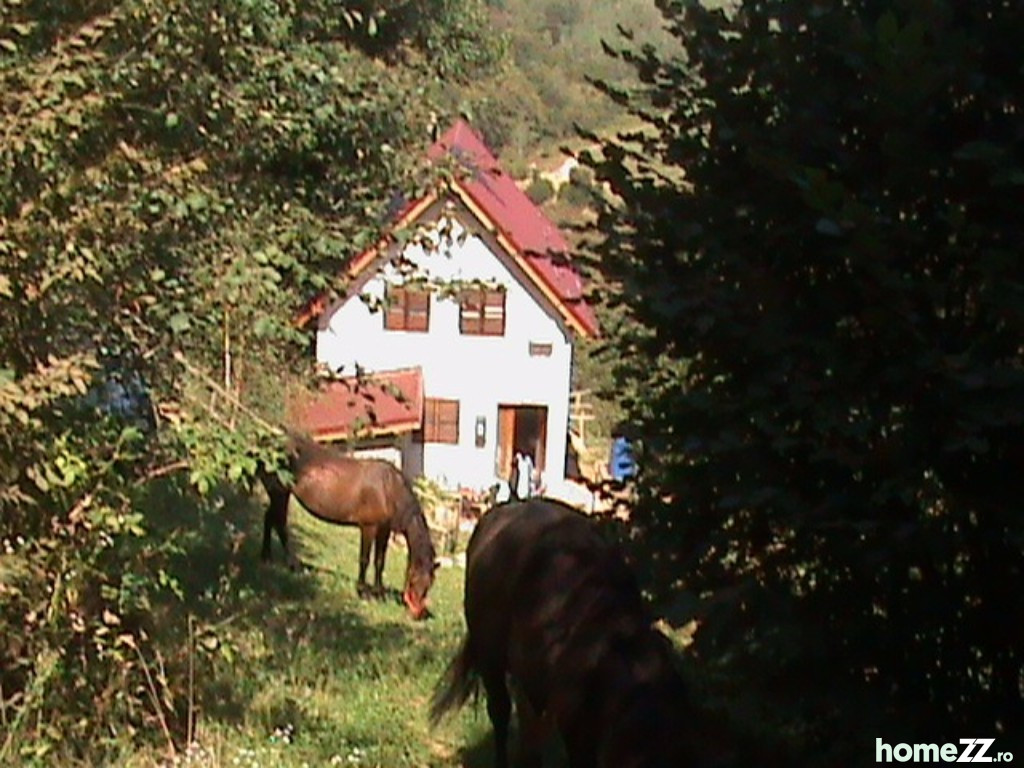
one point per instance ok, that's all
(540, 349)
(406, 309)
(482, 312)
(440, 420)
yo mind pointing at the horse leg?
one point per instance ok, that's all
(499, 709)
(534, 730)
(366, 536)
(581, 746)
(380, 551)
(276, 519)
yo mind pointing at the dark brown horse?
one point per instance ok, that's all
(552, 607)
(372, 494)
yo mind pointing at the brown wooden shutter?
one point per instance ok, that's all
(494, 313)
(417, 314)
(440, 420)
(406, 309)
(482, 312)
(394, 308)
(471, 312)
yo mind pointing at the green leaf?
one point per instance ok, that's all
(131, 434)
(172, 120)
(8, 45)
(984, 151)
(263, 327)
(179, 322)
(197, 201)
(887, 28)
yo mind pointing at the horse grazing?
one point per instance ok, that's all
(552, 607)
(372, 494)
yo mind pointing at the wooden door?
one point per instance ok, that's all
(506, 439)
(521, 428)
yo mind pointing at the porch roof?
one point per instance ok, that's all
(371, 405)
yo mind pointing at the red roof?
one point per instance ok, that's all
(387, 402)
(534, 236)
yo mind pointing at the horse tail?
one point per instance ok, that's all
(459, 681)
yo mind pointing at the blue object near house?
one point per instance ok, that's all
(622, 464)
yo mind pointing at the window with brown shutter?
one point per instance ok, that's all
(440, 420)
(407, 309)
(482, 312)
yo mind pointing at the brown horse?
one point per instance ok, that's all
(372, 494)
(552, 607)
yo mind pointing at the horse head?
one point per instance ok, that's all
(418, 581)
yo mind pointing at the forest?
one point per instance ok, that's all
(800, 226)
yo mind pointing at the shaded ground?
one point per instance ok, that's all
(297, 671)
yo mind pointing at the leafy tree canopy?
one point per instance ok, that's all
(817, 242)
(176, 179)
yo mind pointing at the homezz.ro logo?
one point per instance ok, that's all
(967, 751)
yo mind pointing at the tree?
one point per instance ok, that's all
(817, 242)
(176, 180)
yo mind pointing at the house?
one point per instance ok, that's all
(471, 315)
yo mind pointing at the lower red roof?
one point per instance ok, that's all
(387, 402)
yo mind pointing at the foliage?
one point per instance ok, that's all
(540, 190)
(580, 190)
(292, 668)
(436, 500)
(176, 179)
(556, 46)
(817, 243)
(451, 37)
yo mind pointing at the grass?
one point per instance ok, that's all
(300, 672)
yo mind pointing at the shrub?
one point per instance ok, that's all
(579, 192)
(540, 190)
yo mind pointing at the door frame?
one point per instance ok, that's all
(520, 427)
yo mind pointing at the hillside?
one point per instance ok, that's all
(554, 48)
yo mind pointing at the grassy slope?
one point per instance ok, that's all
(299, 651)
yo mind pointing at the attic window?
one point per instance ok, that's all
(482, 312)
(407, 309)
(540, 349)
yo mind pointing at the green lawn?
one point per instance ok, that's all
(300, 672)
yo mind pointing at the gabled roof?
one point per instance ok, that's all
(383, 403)
(519, 226)
(532, 234)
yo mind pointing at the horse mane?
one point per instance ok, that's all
(410, 521)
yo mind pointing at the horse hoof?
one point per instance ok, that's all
(364, 592)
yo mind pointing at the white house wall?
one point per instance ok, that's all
(481, 372)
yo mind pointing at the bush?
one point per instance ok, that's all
(822, 354)
(540, 190)
(82, 587)
(579, 192)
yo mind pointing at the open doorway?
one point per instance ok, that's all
(521, 429)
